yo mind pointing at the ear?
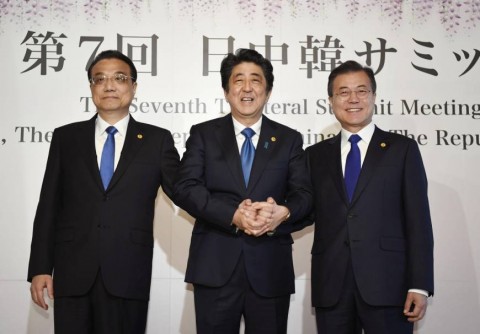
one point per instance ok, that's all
(134, 88)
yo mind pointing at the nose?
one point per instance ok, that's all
(247, 86)
(353, 97)
(109, 84)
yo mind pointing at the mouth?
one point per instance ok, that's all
(246, 99)
(353, 110)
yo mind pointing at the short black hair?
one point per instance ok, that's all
(109, 54)
(245, 56)
(348, 67)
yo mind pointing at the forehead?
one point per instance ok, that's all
(111, 65)
(247, 68)
(352, 80)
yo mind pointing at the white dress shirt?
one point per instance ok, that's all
(239, 127)
(366, 134)
(101, 136)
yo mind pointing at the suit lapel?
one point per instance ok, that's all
(375, 153)
(334, 161)
(266, 146)
(86, 143)
(133, 142)
(227, 142)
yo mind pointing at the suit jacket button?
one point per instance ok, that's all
(347, 243)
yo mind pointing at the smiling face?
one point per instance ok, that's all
(112, 98)
(352, 112)
(247, 93)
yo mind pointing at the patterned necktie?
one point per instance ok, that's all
(247, 153)
(352, 165)
(108, 157)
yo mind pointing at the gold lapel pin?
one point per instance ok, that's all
(273, 139)
(140, 136)
(383, 145)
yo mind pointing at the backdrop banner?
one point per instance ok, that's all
(426, 58)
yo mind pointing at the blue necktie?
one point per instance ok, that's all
(108, 157)
(352, 166)
(247, 153)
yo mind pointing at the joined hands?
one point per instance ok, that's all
(258, 218)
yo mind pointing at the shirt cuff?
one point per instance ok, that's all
(420, 291)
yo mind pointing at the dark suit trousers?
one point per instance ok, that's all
(219, 310)
(98, 312)
(352, 313)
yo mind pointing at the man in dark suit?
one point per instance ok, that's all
(372, 255)
(240, 260)
(94, 223)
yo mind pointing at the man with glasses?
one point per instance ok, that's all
(372, 255)
(93, 229)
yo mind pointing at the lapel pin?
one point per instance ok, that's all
(273, 139)
(140, 136)
(383, 145)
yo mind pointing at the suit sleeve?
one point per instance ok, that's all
(191, 192)
(170, 161)
(299, 195)
(418, 222)
(43, 237)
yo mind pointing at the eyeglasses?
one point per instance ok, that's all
(345, 94)
(118, 78)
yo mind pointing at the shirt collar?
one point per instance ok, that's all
(238, 127)
(121, 125)
(366, 133)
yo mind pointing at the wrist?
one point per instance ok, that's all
(286, 216)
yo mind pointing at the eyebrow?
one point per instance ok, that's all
(238, 75)
(359, 86)
(254, 74)
(118, 72)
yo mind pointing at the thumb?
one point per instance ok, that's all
(50, 288)
(408, 304)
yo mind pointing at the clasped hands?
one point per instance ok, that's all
(258, 218)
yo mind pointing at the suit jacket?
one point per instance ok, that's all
(80, 228)
(210, 187)
(385, 233)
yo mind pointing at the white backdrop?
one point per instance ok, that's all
(425, 53)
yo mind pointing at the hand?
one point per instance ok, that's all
(260, 217)
(270, 215)
(418, 303)
(244, 217)
(39, 283)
